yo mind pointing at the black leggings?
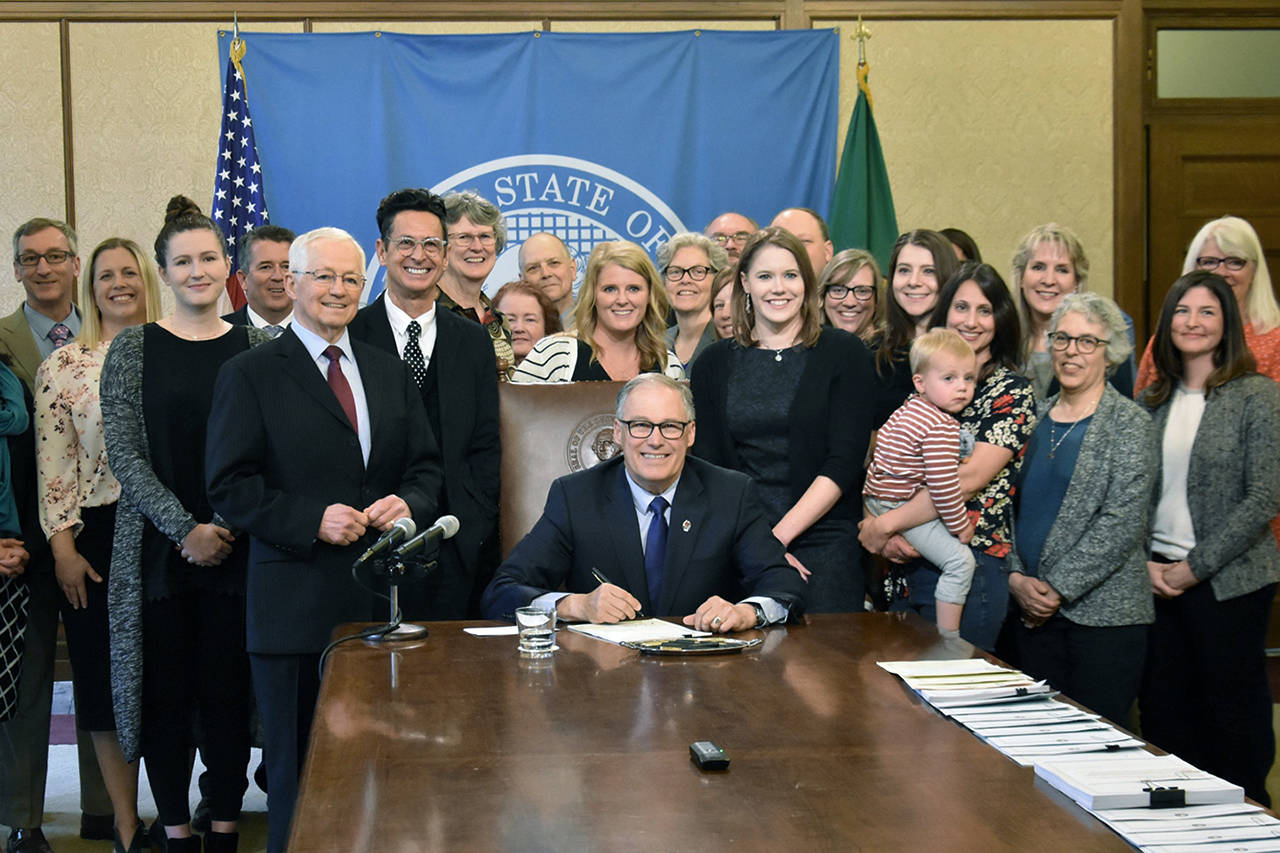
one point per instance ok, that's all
(195, 691)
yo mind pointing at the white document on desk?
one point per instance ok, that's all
(1127, 780)
(637, 631)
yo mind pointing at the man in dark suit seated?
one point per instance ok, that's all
(263, 260)
(316, 443)
(678, 536)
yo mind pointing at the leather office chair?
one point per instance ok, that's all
(548, 431)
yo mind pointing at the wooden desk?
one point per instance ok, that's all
(455, 743)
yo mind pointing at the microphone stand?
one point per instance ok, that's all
(396, 568)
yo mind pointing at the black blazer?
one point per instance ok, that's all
(239, 317)
(467, 384)
(719, 544)
(830, 415)
(279, 451)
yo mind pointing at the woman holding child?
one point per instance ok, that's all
(974, 303)
(1078, 570)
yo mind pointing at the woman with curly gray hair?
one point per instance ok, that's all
(689, 263)
(1078, 569)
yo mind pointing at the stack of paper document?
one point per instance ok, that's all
(1009, 710)
(1195, 828)
(637, 631)
(1140, 780)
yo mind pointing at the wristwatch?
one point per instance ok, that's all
(761, 619)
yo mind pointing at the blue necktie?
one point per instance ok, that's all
(655, 549)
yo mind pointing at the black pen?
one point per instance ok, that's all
(600, 578)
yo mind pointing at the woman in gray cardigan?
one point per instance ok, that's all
(1078, 570)
(1214, 564)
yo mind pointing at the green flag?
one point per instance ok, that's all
(862, 214)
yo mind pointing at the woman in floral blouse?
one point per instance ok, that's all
(78, 496)
(976, 304)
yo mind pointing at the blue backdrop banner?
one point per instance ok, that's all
(594, 137)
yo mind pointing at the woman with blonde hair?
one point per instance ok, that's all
(619, 325)
(775, 402)
(1049, 263)
(850, 285)
(78, 496)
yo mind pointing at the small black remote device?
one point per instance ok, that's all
(708, 756)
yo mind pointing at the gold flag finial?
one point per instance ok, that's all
(862, 34)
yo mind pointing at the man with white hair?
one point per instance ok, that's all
(317, 443)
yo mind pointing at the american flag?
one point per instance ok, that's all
(238, 203)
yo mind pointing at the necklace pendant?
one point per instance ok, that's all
(777, 355)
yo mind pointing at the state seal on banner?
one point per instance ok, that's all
(582, 202)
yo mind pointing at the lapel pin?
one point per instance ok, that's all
(685, 527)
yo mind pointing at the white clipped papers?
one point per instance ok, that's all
(1138, 780)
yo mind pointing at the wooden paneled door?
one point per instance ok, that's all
(1201, 169)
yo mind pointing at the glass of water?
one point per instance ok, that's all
(537, 631)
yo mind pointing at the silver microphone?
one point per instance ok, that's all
(444, 528)
(403, 528)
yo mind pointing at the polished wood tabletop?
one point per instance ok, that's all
(455, 742)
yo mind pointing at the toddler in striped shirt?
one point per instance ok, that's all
(920, 447)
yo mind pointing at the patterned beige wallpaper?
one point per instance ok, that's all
(146, 110)
(31, 166)
(994, 127)
(425, 27)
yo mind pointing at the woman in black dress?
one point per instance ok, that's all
(779, 401)
(177, 584)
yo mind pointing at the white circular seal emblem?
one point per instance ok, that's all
(591, 442)
(581, 202)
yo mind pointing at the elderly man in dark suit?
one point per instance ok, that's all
(676, 536)
(452, 361)
(316, 443)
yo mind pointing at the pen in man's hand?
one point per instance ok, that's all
(601, 579)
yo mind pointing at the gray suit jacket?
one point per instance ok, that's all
(1233, 485)
(1096, 553)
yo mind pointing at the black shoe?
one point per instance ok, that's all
(97, 827)
(155, 834)
(190, 844)
(201, 821)
(141, 842)
(27, 841)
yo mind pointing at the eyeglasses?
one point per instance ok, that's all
(465, 240)
(1085, 344)
(643, 429)
(861, 292)
(1211, 263)
(53, 257)
(739, 238)
(432, 246)
(697, 273)
(326, 278)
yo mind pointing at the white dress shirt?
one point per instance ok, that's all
(400, 329)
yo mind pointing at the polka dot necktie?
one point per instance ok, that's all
(413, 355)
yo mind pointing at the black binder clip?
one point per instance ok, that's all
(1166, 798)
